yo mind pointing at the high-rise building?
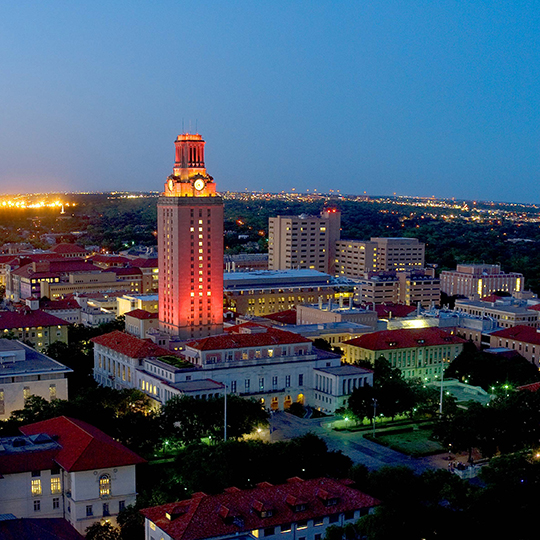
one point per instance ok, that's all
(190, 245)
(304, 241)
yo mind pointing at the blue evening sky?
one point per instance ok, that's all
(407, 96)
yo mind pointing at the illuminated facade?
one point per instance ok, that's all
(190, 246)
(480, 280)
(304, 241)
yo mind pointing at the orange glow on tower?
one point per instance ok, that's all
(190, 246)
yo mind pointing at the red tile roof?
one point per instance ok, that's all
(239, 511)
(28, 318)
(84, 447)
(532, 387)
(28, 461)
(143, 262)
(53, 305)
(247, 335)
(523, 333)
(385, 311)
(284, 317)
(141, 314)
(131, 346)
(67, 248)
(405, 339)
(535, 307)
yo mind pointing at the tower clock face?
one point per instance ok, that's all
(171, 185)
(198, 184)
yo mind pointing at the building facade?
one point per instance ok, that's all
(265, 292)
(356, 257)
(507, 313)
(418, 353)
(66, 468)
(479, 280)
(190, 246)
(25, 372)
(304, 241)
(273, 366)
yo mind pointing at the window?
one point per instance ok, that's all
(246, 385)
(301, 379)
(287, 380)
(37, 506)
(26, 392)
(269, 531)
(106, 509)
(55, 485)
(233, 387)
(286, 528)
(104, 485)
(349, 515)
(89, 510)
(301, 525)
(261, 383)
(56, 503)
(121, 505)
(36, 487)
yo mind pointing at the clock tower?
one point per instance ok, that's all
(190, 246)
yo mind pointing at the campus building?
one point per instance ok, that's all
(418, 353)
(190, 246)
(506, 312)
(25, 372)
(480, 280)
(295, 510)
(304, 241)
(273, 366)
(66, 468)
(265, 292)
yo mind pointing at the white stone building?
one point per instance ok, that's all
(66, 468)
(25, 372)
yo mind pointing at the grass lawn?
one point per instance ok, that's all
(414, 443)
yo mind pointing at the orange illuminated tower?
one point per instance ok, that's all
(190, 246)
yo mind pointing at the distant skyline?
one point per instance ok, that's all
(414, 98)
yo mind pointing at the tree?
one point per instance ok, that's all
(131, 523)
(102, 531)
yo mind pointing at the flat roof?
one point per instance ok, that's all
(197, 386)
(345, 370)
(34, 362)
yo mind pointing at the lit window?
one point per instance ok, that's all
(36, 487)
(55, 485)
(104, 485)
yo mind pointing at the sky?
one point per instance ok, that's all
(408, 97)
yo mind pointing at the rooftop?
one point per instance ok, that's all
(131, 346)
(247, 335)
(405, 339)
(26, 318)
(82, 447)
(18, 359)
(239, 511)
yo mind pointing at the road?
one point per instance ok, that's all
(287, 426)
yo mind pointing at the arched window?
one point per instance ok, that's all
(105, 485)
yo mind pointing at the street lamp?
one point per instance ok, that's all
(374, 414)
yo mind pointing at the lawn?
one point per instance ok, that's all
(414, 443)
